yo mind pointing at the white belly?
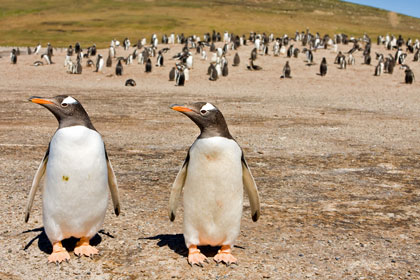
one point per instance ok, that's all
(213, 192)
(75, 194)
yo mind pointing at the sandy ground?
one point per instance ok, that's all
(336, 160)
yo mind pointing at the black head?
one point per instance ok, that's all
(207, 117)
(67, 110)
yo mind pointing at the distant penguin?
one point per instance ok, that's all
(130, 83)
(47, 58)
(29, 51)
(77, 48)
(367, 59)
(148, 67)
(109, 61)
(119, 68)
(172, 74)
(236, 60)
(49, 50)
(286, 71)
(296, 52)
(89, 63)
(37, 49)
(38, 63)
(409, 75)
(77, 175)
(213, 178)
(213, 73)
(252, 66)
(254, 54)
(99, 63)
(159, 61)
(180, 77)
(323, 67)
(13, 57)
(78, 66)
(225, 70)
(93, 50)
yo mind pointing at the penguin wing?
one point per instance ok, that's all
(35, 183)
(251, 190)
(177, 188)
(113, 187)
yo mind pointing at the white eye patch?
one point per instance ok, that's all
(69, 100)
(208, 107)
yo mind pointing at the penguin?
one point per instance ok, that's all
(130, 82)
(180, 76)
(172, 74)
(323, 67)
(296, 52)
(13, 57)
(77, 48)
(78, 66)
(148, 67)
(37, 49)
(29, 50)
(109, 61)
(409, 75)
(225, 70)
(89, 63)
(99, 63)
(286, 71)
(159, 60)
(38, 63)
(254, 54)
(213, 177)
(47, 58)
(77, 174)
(252, 66)
(17, 51)
(119, 68)
(93, 50)
(236, 60)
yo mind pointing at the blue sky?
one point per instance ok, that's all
(406, 7)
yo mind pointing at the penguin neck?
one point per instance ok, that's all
(214, 131)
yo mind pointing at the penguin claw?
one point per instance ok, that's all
(85, 250)
(58, 257)
(224, 255)
(197, 258)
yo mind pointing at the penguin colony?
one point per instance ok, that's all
(182, 62)
(215, 163)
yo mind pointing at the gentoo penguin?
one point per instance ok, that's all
(172, 74)
(77, 175)
(78, 66)
(254, 53)
(13, 56)
(47, 58)
(29, 50)
(119, 68)
(159, 60)
(180, 76)
(89, 63)
(409, 75)
(323, 67)
(236, 60)
(225, 70)
(130, 82)
(99, 63)
(213, 73)
(37, 49)
(213, 177)
(148, 67)
(286, 71)
(109, 61)
(77, 48)
(93, 50)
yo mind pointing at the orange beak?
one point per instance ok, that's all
(40, 100)
(181, 108)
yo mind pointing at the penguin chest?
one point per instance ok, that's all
(76, 176)
(213, 190)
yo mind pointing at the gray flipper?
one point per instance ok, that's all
(177, 188)
(35, 184)
(251, 190)
(113, 187)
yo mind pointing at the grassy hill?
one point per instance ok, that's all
(60, 22)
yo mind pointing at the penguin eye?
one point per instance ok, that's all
(203, 112)
(64, 104)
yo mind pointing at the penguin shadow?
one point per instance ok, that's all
(176, 243)
(45, 245)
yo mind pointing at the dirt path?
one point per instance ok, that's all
(336, 160)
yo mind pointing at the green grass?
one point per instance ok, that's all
(60, 22)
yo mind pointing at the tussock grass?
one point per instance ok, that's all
(63, 22)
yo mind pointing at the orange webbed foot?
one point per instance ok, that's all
(83, 248)
(195, 257)
(59, 254)
(224, 255)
